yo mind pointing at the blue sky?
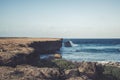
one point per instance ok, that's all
(60, 18)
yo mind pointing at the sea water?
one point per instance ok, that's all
(94, 50)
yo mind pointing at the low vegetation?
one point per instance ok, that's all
(111, 72)
(64, 64)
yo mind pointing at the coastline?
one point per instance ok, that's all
(19, 60)
(15, 51)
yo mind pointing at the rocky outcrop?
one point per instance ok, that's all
(60, 70)
(115, 64)
(67, 44)
(26, 50)
(72, 73)
(89, 69)
(46, 46)
(27, 72)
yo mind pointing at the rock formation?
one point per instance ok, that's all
(88, 68)
(57, 56)
(26, 50)
(26, 72)
(67, 44)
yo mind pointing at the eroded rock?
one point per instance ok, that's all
(67, 44)
(78, 78)
(27, 72)
(88, 68)
(17, 51)
(57, 56)
(72, 73)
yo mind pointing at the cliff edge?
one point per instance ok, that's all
(14, 51)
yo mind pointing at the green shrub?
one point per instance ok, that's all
(46, 63)
(113, 71)
(64, 64)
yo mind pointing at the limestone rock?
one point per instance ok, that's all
(72, 73)
(88, 68)
(27, 72)
(58, 56)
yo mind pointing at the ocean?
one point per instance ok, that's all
(94, 50)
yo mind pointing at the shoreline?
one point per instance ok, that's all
(20, 60)
(46, 56)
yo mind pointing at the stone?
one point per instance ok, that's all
(72, 73)
(1, 50)
(88, 68)
(27, 72)
(67, 44)
(77, 78)
(58, 56)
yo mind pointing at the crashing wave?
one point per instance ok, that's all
(69, 44)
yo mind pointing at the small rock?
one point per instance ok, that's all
(89, 68)
(72, 73)
(58, 56)
(77, 78)
(67, 44)
(1, 50)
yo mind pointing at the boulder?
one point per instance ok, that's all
(72, 73)
(57, 56)
(88, 68)
(67, 44)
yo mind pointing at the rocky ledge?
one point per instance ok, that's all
(14, 51)
(59, 69)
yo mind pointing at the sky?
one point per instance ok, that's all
(60, 18)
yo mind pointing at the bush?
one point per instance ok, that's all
(64, 64)
(112, 71)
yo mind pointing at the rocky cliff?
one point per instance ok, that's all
(14, 51)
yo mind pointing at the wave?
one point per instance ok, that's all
(73, 44)
(87, 51)
(94, 41)
(69, 44)
(95, 46)
(100, 50)
(82, 56)
(91, 48)
(65, 49)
